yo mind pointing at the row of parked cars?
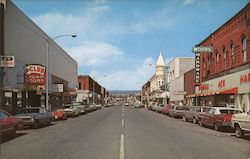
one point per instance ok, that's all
(35, 117)
(215, 117)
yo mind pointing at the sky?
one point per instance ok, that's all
(119, 41)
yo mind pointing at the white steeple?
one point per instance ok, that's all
(160, 61)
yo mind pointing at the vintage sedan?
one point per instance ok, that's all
(8, 124)
(80, 106)
(218, 117)
(59, 114)
(71, 111)
(177, 111)
(35, 116)
(193, 112)
(241, 124)
(167, 109)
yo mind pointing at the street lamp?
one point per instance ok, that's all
(47, 67)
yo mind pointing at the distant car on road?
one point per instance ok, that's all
(218, 117)
(166, 109)
(8, 124)
(241, 124)
(177, 111)
(126, 104)
(35, 116)
(71, 111)
(193, 112)
(59, 114)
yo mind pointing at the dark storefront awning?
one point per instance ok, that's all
(228, 91)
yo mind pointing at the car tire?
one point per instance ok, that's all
(201, 124)
(238, 132)
(194, 121)
(37, 124)
(184, 118)
(216, 127)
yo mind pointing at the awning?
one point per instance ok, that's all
(228, 91)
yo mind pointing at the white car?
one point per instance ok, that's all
(71, 111)
(241, 124)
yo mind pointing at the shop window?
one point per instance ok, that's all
(217, 57)
(244, 48)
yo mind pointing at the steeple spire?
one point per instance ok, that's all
(160, 61)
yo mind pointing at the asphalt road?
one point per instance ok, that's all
(124, 133)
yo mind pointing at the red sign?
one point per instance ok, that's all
(203, 87)
(245, 78)
(35, 75)
(221, 83)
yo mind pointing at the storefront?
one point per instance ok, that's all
(232, 90)
(28, 48)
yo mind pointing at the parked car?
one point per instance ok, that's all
(177, 111)
(71, 111)
(35, 116)
(218, 117)
(8, 124)
(59, 114)
(241, 124)
(193, 112)
(138, 105)
(167, 109)
(158, 108)
(80, 106)
(151, 106)
(126, 104)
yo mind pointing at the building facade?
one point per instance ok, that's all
(27, 43)
(225, 73)
(189, 87)
(157, 81)
(145, 92)
(177, 67)
(90, 91)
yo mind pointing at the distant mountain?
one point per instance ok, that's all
(125, 92)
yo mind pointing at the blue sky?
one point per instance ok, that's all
(118, 39)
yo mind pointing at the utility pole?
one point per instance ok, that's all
(1, 53)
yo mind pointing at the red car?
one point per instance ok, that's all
(167, 109)
(8, 124)
(218, 117)
(59, 114)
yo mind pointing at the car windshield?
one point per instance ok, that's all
(181, 108)
(124, 79)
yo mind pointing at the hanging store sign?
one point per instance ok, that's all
(202, 49)
(197, 67)
(35, 75)
(7, 61)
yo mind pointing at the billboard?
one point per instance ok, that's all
(35, 77)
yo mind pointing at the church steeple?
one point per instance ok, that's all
(160, 61)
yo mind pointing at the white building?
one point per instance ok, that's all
(177, 67)
(158, 80)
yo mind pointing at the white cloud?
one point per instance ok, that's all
(94, 53)
(126, 79)
(188, 2)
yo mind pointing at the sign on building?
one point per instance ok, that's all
(197, 67)
(57, 87)
(35, 77)
(202, 49)
(7, 61)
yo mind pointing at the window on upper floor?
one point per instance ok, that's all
(224, 56)
(244, 48)
(217, 57)
(232, 52)
(80, 85)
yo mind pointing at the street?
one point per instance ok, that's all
(124, 132)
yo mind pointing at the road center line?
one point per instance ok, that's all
(122, 147)
(122, 114)
(122, 122)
